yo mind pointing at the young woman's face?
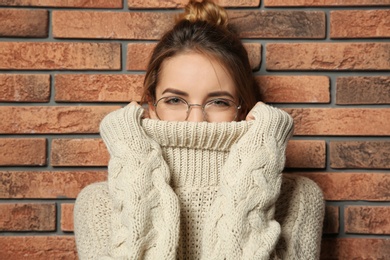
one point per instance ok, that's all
(194, 87)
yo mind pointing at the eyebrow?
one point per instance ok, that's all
(175, 91)
(210, 95)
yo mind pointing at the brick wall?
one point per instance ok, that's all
(65, 64)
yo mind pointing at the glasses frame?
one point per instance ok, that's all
(238, 107)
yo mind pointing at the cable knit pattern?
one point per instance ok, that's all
(241, 223)
(185, 190)
(145, 213)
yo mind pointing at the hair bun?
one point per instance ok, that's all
(205, 11)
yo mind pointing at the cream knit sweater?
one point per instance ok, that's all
(184, 190)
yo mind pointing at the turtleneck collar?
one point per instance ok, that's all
(196, 135)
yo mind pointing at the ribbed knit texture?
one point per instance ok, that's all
(240, 221)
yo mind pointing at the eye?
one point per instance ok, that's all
(173, 101)
(220, 102)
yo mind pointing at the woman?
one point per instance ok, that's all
(195, 181)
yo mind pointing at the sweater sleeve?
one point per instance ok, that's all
(241, 221)
(300, 211)
(138, 183)
(92, 212)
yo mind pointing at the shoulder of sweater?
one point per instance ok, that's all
(300, 211)
(95, 193)
(308, 190)
(92, 220)
(300, 195)
(92, 206)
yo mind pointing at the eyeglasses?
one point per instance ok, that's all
(178, 109)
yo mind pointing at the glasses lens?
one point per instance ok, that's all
(220, 110)
(171, 109)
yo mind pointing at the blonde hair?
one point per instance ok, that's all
(204, 28)
(205, 11)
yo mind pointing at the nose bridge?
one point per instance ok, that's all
(195, 113)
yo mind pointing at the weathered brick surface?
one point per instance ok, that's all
(360, 24)
(328, 56)
(318, 3)
(355, 248)
(138, 55)
(152, 25)
(339, 55)
(24, 88)
(363, 90)
(23, 23)
(98, 87)
(67, 217)
(59, 56)
(306, 154)
(360, 154)
(111, 25)
(181, 3)
(23, 151)
(46, 185)
(341, 121)
(294, 89)
(65, 3)
(352, 186)
(39, 119)
(38, 247)
(27, 217)
(367, 219)
(254, 54)
(331, 220)
(79, 152)
(279, 24)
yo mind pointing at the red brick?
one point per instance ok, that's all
(254, 54)
(46, 185)
(360, 154)
(24, 23)
(181, 3)
(306, 154)
(331, 220)
(318, 3)
(38, 247)
(328, 56)
(60, 56)
(360, 24)
(65, 3)
(27, 217)
(24, 87)
(45, 119)
(352, 186)
(22, 151)
(363, 90)
(341, 121)
(67, 217)
(152, 25)
(98, 87)
(138, 55)
(279, 24)
(355, 248)
(111, 25)
(79, 152)
(294, 89)
(367, 219)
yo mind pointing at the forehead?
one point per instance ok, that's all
(194, 73)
